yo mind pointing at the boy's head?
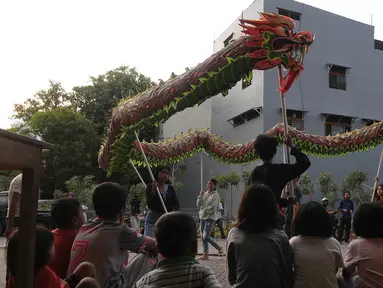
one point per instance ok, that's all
(176, 235)
(212, 184)
(67, 213)
(44, 250)
(346, 195)
(266, 146)
(109, 201)
(368, 221)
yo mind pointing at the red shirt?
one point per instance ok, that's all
(45, 278)
(63, 240)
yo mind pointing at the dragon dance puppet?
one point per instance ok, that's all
(268, 42)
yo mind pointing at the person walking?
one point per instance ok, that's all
(346, 207)
(208, 205)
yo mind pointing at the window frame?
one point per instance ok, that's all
(296, 16)
(227, 41)
(246, 116)
(337, 80)
(347, 127)
(293, 118)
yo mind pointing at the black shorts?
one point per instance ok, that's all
(72, 280)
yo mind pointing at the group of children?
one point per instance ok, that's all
(95, 254)
(258, 253)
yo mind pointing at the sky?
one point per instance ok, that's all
(70, 40)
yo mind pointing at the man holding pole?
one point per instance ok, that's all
(277, 176)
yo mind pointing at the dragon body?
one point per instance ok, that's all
(268, 42)
(173, 151)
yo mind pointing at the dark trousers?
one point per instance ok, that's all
(345, 225)
(16, 225)
(219, 223)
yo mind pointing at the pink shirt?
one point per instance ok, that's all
(366, 255)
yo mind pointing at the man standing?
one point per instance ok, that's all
(208, 205)
(346, 207)
(14, 197)
(274, 175)
(134, 213)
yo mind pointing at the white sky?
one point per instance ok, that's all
(70, 40)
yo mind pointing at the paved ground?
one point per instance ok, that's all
(217, 264)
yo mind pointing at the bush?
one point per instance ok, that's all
(82, 188)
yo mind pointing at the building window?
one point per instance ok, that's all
(369, 122)
(245, 117)
(337, 76)
(378, 45)
(336, 124)
(245, 83)
(228, 40)
(293, 15)
(295, 119)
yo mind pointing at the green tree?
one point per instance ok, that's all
(306, 185)
(83, 188)
(42, 101)
(73, 136)
(353, 183)
(328, 187)
(97, 100)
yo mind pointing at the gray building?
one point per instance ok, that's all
(339, 90)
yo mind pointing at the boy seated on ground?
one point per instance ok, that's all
(104, 241)
(176, 235)
(44, 277)
(67, 215)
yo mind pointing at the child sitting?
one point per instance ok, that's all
(104, 241)
(44, 254)
(317, 255)
(67, 216)
(176, 235)
(258, 254)
(364, 258)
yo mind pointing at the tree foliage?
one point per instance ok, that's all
(75, 121)
(83, 188)
(306, 185)
(328, 187)
(353, 183)
(73, 136)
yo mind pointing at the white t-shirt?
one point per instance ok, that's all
(15, 187)
(316, 261)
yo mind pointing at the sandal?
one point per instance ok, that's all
(220, 252)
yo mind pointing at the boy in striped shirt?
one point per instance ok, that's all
(176, 235)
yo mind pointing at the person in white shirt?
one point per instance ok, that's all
(317, 255)
(208, 205)
(14, 197)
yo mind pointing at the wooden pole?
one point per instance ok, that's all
(285, 124)
(150, 171)
(377, 176)
(201, 171)
(27, 229)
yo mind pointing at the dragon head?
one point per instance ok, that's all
(273, 42)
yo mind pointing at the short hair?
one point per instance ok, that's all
(44, 242)
(257, 210)
(214, 181)
(313, 220)
(63, 211)
(176, 235)
(266, 146)
(368, 219)
(108, 200)
(159, 169)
